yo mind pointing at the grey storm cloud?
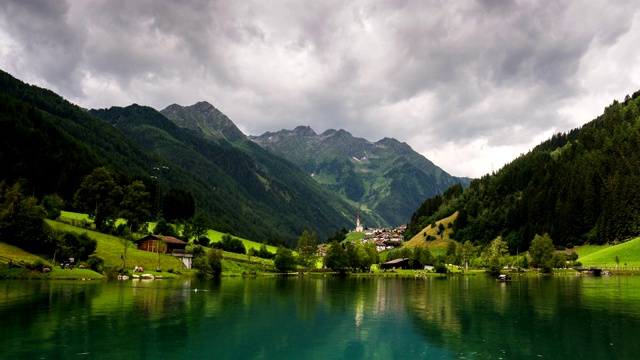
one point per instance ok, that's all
(466, 83)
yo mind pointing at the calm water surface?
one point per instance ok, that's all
(322, 318)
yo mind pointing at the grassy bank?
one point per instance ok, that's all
(628, 253)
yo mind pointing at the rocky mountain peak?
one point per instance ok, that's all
(304, 131)
(205, 118)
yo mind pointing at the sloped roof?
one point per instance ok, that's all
(168, 239)
(396, 261)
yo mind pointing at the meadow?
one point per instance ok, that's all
(628, 254)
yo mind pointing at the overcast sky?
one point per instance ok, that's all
(468, 84)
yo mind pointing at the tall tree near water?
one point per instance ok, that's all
(336, 257)
(135, 206)
(498, 251)
(307, 249)
(541, 252)
(284, 261)
(22, 221)
(99, 196)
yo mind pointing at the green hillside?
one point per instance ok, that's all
(213, 235)
(110, 248)
(628, 253)
(579, 187)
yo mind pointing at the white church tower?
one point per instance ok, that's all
(359, 227)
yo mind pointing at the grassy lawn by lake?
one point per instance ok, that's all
(586, 250)
(628, 252)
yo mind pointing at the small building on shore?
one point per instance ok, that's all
(397, 264)
(152, 243)
(166, 245)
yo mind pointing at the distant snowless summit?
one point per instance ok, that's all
(386, 177)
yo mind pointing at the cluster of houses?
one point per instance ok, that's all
(384, 238)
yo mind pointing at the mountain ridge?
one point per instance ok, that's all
(364, 172)
(206, 118)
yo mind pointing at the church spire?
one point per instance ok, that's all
(359, 227)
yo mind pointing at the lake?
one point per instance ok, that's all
(457, 317)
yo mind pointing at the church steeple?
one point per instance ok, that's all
(359, 227)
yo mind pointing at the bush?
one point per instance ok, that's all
(37, 265)
(264, 253)
(204, 241)
(230, 244)
(111, 272)
(198, 251)
(210, 264)
(76, 246)
(440, 268)
(284, 260)
(95, 263)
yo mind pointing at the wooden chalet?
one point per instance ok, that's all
(402, 263)
(152, 242)
(174, 246)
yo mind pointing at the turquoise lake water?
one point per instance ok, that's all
(472, 317)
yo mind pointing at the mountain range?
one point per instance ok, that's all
(386, 178)
(51, 144)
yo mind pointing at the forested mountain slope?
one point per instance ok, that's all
(578, 187)
(386, 178)
(269, 197)
(52, 144)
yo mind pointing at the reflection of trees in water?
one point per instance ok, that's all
(529, 317)
(308, 317)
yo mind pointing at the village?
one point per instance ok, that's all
(384, 238)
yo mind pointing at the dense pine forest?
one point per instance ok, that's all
(579, 187)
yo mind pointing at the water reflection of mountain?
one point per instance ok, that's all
(548, 317)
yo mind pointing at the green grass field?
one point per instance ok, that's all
(16, 254)
(586, 250)
(628, 252)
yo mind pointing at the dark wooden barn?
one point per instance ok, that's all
(152, 243)
(402, 263)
